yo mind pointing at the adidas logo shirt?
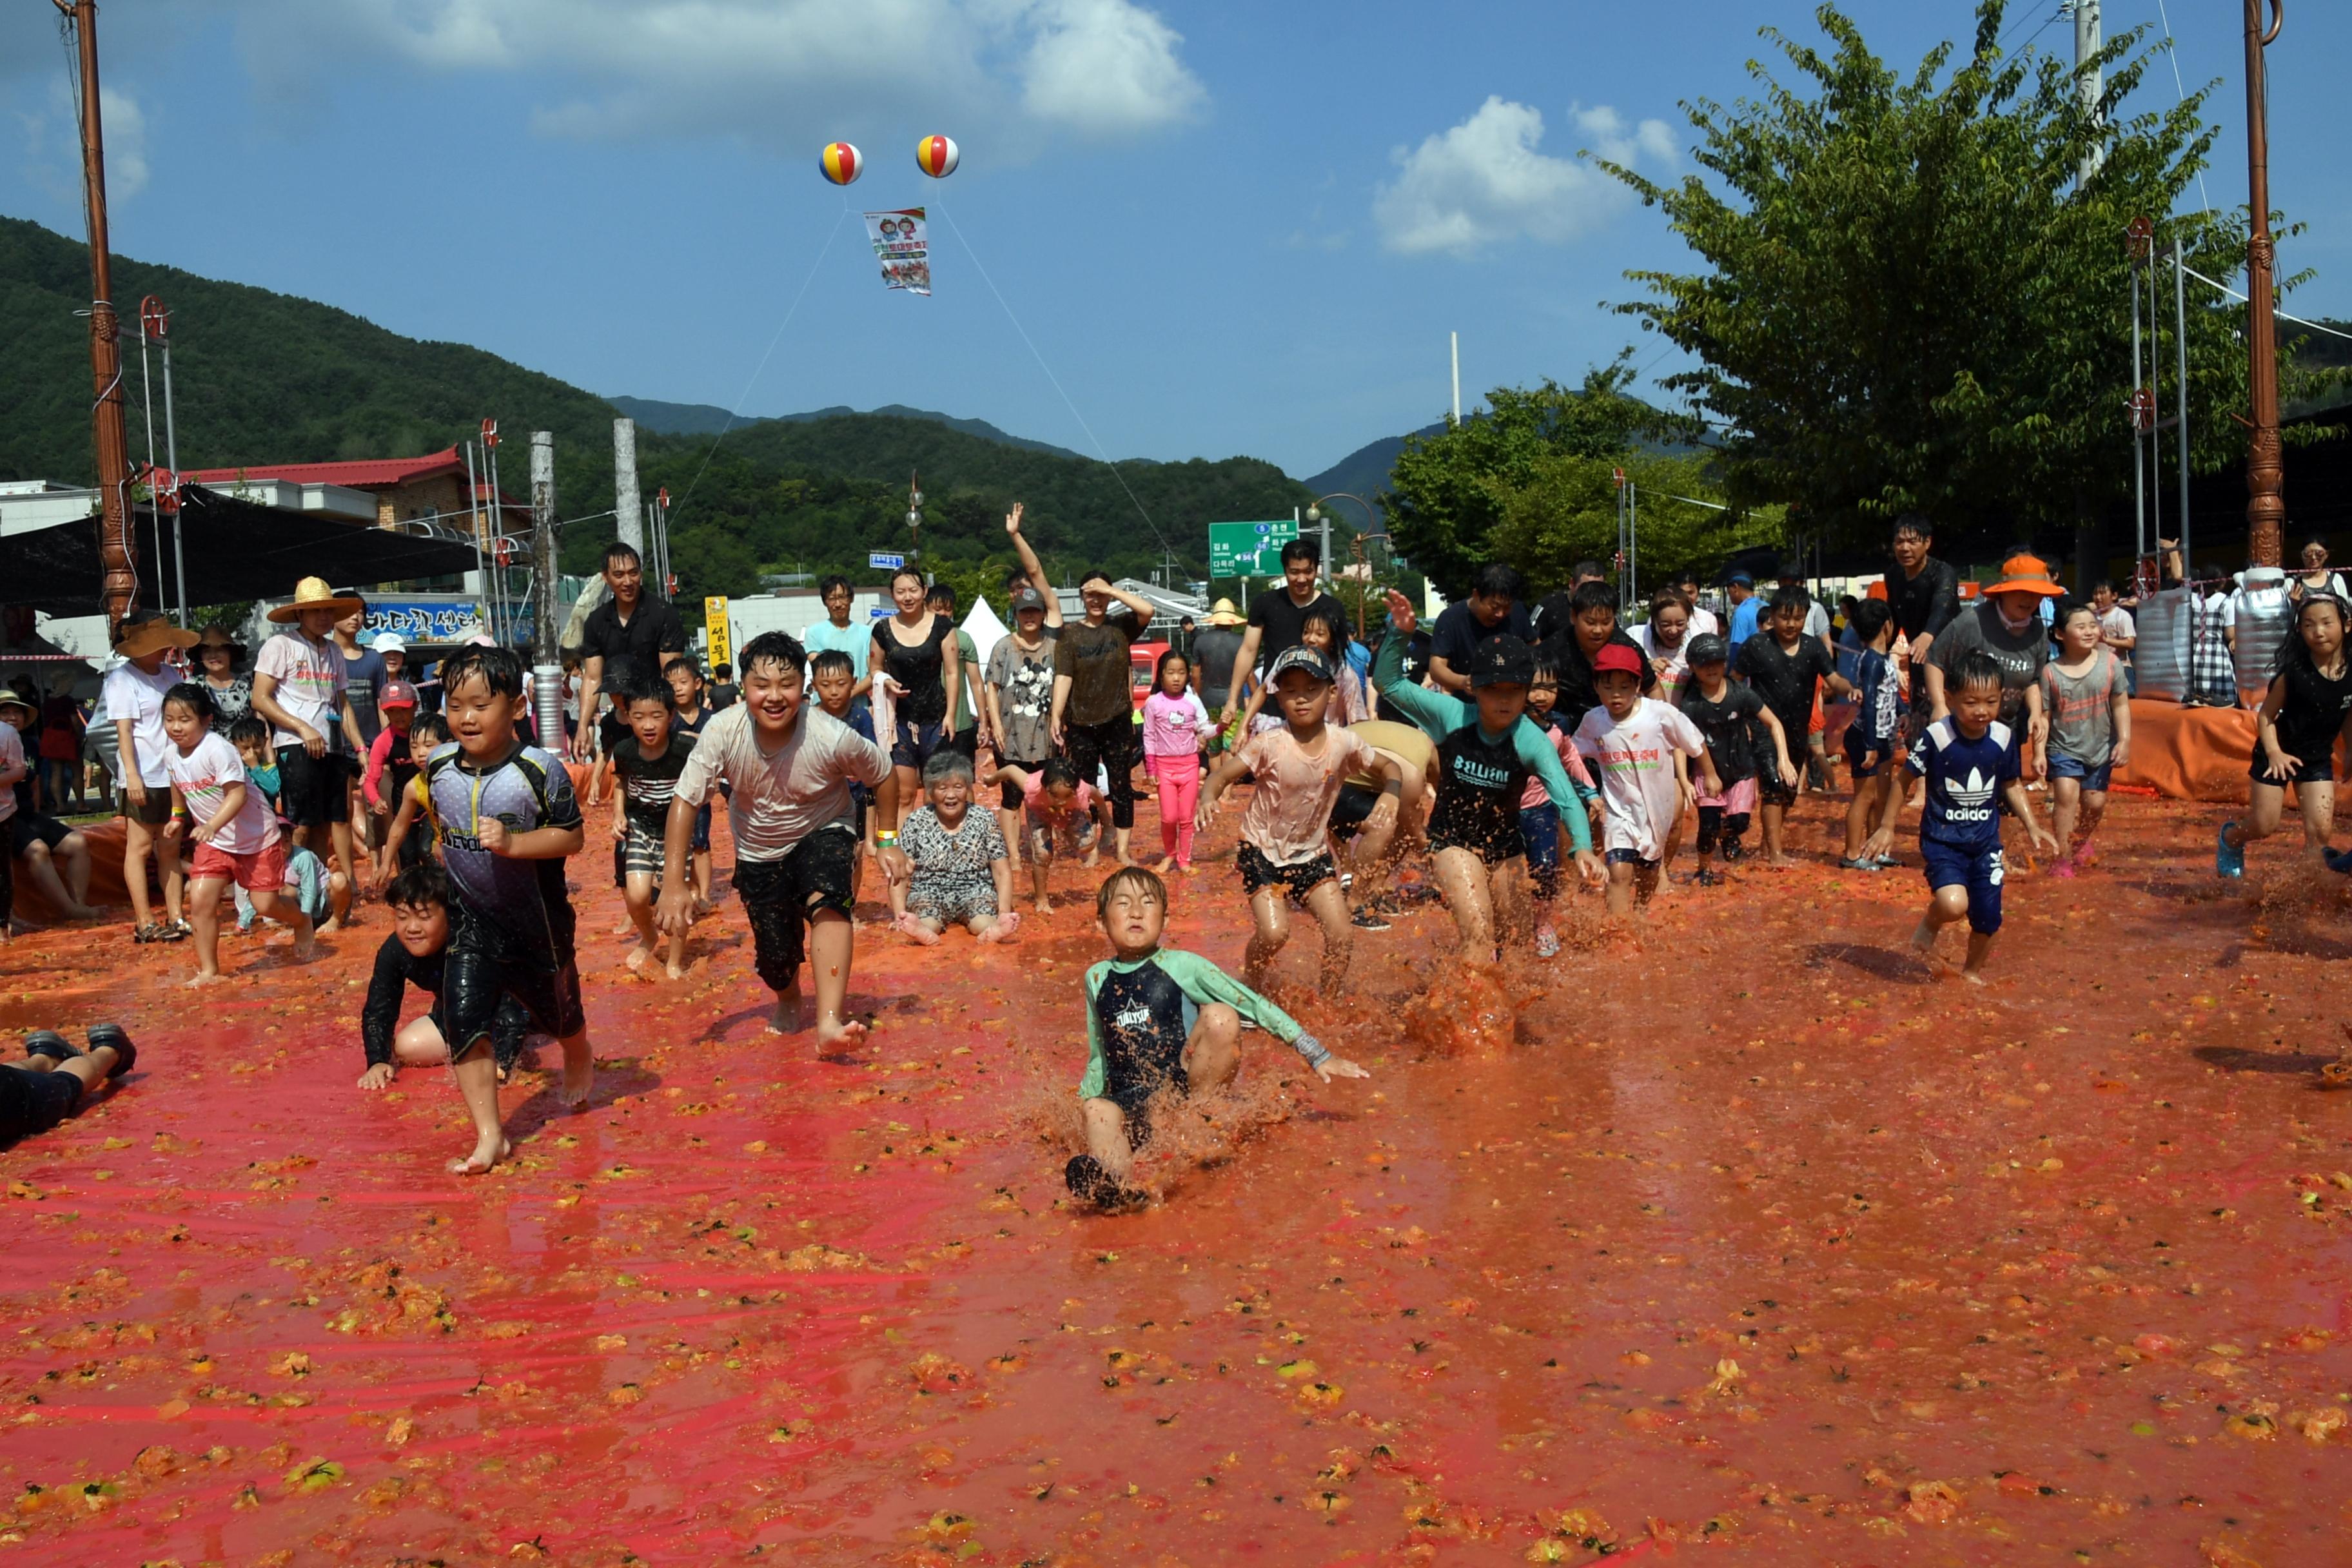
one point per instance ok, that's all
(1964, 782)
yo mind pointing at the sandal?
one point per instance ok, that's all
(126, 1055)
(147, 934)
(50, 1044)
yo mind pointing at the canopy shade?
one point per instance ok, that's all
(234, 548)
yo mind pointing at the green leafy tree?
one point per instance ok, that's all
(1448, 492)
(1911, 303)
(1567, 512)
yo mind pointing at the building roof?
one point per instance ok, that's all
(365, 473)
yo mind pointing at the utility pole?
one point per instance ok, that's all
(547, 695)
(1457, 338)
(111, 443)
(156, 321)
(628, 513)
(2265, 472)
(2089, 83)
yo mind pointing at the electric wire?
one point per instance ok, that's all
(2180, 89)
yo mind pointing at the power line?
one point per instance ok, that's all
(2281, 315)
(2180, 90)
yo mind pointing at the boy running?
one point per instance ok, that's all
(787, 767)
(1159, 1017)
(1739, 729)
(647, 759)
(1786, 669)
(1642, 749)
(1870, 739)
(508, 819)
(2086, 693)
(1967, 757)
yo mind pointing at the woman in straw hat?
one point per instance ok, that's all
(220, 666)
(133, 697)
(298, 686)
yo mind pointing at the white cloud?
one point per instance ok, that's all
(124, 127)
(1485, 182)
(771, 71)
(53, 144)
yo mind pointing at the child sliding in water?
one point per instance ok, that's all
(1158, 1017)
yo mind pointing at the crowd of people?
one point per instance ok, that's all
(1491, 763)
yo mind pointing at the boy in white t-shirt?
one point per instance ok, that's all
(236, 837)
(1641, 749)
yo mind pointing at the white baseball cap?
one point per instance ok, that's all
(390, 642)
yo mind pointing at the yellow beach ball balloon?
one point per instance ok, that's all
(840, 163)
(936, 155)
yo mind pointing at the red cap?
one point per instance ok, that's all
(1618, 657)
(397, 694)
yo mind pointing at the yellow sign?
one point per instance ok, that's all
(714, 620)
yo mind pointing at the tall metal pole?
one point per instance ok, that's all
(498, 532)
(1456, 340)
(2265, 470)
(481, 571)
(111, 445)
(2180, 379)
(2140, 545)
(172, 459)
(147, 418)
(546, 632)
(627, 514)
(2088, 83)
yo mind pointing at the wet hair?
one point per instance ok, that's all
(829, 582)
(2294, 652)
(1543, 673)
(1588, 569)
(192, 696)
(1792, 598)
(421, 886)
(1975, 666)
(908, 572)
(425, 729)
(942, 597)
(1334, 621)
(1591, 597)
(1095, 574)
(670, 664)
(639, 684)
(1159, 670)
(1914, 522)
(622, 553)
(774, 648)
(1498, 580)
(727, 672)
(831, 661)
(1869, 617)
(1137, 879)
(1059, 771)
(2106, 583)
(253, 732)
(1688, 575)
(1301, 550)
(945, 764)
(501, 669)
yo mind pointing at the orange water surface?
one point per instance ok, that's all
(1733, 1236)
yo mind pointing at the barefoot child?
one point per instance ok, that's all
(1788, 669)
(1967, 758)
(1159, 1017)
(787, 766)
(1485, 754)
(1870, 739)
(1641, 749)
(236, 837)
(1538, 818)
(949, 865)
(409, 841)
(2302, 716)
(835, 679)
(1285, 854)
(2089, 702)
(1174, 726)
(1741, 735)
(1058, 810)
(508, 819)
(647, 758)
(693, 711)
(418, 900)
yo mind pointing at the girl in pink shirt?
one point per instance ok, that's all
(1175, 725)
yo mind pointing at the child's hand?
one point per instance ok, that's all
(376, 1077)
(1590, 865)
(1401, 614)
(2043, 839)
(2122, 757)
(2282, 765)
(493, 833)
(1789, 773)
(1330, 1068)
(1206, 812)
(1689, 796)
(177, 826)
(1877, 846)
(381, 806)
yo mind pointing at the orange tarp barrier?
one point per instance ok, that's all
(2190, 753)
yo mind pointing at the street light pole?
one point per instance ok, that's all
(2265, 471)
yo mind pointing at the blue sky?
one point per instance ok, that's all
(1226, 228)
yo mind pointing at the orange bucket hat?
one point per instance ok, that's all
(2024, 575)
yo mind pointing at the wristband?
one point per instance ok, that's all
(1313, 1049)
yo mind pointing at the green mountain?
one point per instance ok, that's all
(1365, 472)
(709, 419)
(262, 377)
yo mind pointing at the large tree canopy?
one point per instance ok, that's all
(1910, 301)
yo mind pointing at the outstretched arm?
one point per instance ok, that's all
(1204, 983)
(1031, 564)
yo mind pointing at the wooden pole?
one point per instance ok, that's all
(110, 441)
(2265, 469)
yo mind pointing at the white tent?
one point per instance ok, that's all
(985, 630)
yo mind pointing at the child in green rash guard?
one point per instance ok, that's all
(1487, 749)
(1157, 1016)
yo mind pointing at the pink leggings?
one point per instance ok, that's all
(1180, 794)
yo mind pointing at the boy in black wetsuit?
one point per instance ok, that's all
(1157, 1017)
(693, 711)
(647, 758)
(418, 900)
(508, 819)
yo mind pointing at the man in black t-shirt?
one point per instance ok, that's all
(1925, 596)
(1576, 626)
(1276, 619)
(632, 626)
(1093, 718)
(1497, 606)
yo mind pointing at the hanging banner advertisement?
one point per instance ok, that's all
(442, 620)
(903, 242)
(716, 626)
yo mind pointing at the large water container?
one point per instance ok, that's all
(2160, 657)
(547, 706)
(2263, 615)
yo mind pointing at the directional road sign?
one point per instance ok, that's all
(881, 560)
(1249, 549)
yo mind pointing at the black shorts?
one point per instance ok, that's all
(476, 985)
(913, 744)
(2311, 770)
(28, 829)
(313, 790)
(1771, 789)
(34, 1102)
(779, 897)
(1494, 850)
(1352, 809)
(1011, 799)
(1257, 871)
(155, 814)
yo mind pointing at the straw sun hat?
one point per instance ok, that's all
(312, 593)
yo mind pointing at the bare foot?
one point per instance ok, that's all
(675, 969)
(307, 949)
(626, 927)
(579, 1074)
(832, 1035)
(786, 1018)
(913, 930)
(330, 926)
(485, 1155)
(1092, 856)
(1972, 977)
(1923, 942)
(1006, 924)
(1781, 862)
(1166, 863)
(637, 955)
(1044, 906)
(202, 978)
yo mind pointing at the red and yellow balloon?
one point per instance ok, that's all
(936, 156)
(840, 163)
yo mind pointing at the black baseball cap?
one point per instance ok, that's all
(1502, 660)
(1708, 648)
